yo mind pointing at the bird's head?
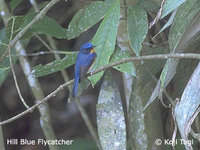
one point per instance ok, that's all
(87, 48)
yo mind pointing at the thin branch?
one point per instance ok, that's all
(12, 68)
(43, 42)
(157, 16)
(124, 60)
(43, 53)
(23, 31)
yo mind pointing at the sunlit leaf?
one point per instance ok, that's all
(110, 116)
(105, 39)
(137, 25)
(87, 17)
(170, 5)
(57, 65)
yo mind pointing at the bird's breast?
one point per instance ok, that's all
(92, 51)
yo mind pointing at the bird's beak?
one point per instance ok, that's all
(94, 46)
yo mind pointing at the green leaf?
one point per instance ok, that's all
(182, 20)
(148, 5)
(170, 5)
(184, 71)
(137, 26)
(5, 68)
(4, 40)
(14, 4)
(87, 17)
(169, 22)
(153, 66)
(110, 116)
(164, 73)
(125, 67)
(57, 65)
(182, 36)
(105, 39)
(45, 26)
(14, 22)
(136, 121)
(186, 108)
(177, 32)
(5, 64)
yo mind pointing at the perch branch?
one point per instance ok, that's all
(124, 60)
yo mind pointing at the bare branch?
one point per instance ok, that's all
(157, 16)
(12, 68)
(23, 31)
(124, 60)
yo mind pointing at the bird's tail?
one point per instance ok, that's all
(75, 87)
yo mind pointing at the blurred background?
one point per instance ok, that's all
(66, 119)
(156, 122)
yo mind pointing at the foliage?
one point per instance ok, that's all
(177, 31)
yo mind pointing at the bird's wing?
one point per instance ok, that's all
(87, 64)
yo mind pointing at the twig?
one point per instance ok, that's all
(124, 60)
(157, 16)
(23, 31)
(43, 42)
(12, 68)
(43, 53)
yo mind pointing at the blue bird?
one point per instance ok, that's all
(84, 61)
